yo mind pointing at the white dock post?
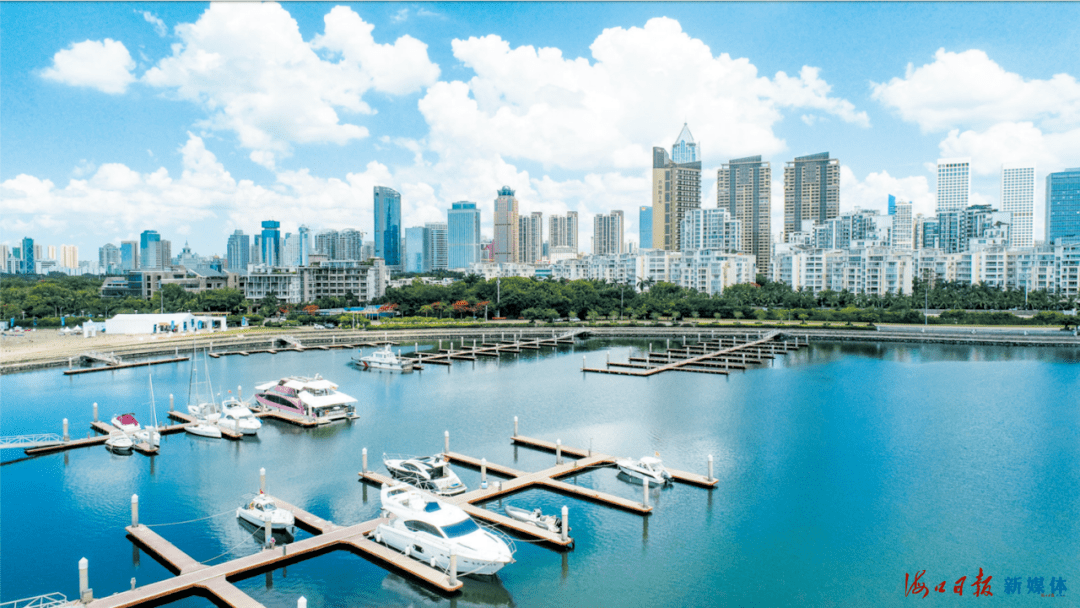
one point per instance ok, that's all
(267, 527)
(669, 343)
(483, 473)
(453, 566)
(133, 583)
(582, 362)
(710, 468)
(86, 594)
(609, 357)
(66, 436)
(684, 340)
(558, 451)
(134, 510)
(474, 344)
(170, 405)
(446, 442)
(515, 426)
(363, 456)
(462, 342)
(565, 524)
(645, 492)
(650, 347)
(69, 362)
(262, 480)
(416, 348)
(239, 392)
(95, 411)
(302, 602)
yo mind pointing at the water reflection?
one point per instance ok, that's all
(486, 591)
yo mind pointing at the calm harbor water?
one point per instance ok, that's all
(841, 467)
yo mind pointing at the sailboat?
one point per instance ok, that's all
(206, 413)
(149, 434)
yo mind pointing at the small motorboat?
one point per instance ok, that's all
(126, 423)
(203, 428)
(431, 473)
(262, 509)
(425, 528)
(236, 417)
(384, 358)
(535, 517)
(647, 468)
(119, 443)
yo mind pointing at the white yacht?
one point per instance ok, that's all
(149, 434)
(384, 358)
(203, 428)
(535, 517)
(424, 528)
(431, 473)
(119, 443)
(262, 509)
(236, 417)
(316, 398)
(125, 422)
(648, 467)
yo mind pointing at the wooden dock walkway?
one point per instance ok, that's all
(710, 357)
(446, 356)
(163, 551)
(114, 366)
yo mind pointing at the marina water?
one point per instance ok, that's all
(841, 467)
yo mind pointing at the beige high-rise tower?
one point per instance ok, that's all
(744, 188)
(676, 188)
(505, 247)
(811, 191)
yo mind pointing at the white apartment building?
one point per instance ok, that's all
(711, 270)
(1018, 198)
(953, 184)
(329, 279)
(711, 229)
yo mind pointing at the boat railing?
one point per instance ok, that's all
(499, 534)
(49, 600)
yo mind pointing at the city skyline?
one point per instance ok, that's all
(169, 149)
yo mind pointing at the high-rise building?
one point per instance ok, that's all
(608, 233)
(531, 237)
(676, 188)
(255, 257)
(326, 243)
(413, 249)
(1018, 198)
(69, 256)
(1063, 205)
(712, 229)
(388, 226)
(744, 188)
(304, 243)
(953, 184)
(271, 243)
(645, 226)
(129, 255)
(892, 205)
(811, 190)
(238, 251)
(435, 251)
(903, 228)
(150, 250)
(463, 235)
(563, 231)
(350, 245)
(109, 258)
(290, 250)
(506, 246)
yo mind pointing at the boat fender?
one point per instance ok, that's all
(432, 562)
(378, 537)
(408, 551)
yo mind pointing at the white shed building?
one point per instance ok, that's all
(163, 323)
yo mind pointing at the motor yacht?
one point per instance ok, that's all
(648, 467)
(384, 358)
(425, 528)
(316, 398)
(431, 473)
(262, 509)
(126, 423)
(119, 443)
(535, 517)
(236, 417)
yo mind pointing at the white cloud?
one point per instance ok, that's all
(103, 65)
(1012, 142)
(873, 191)
(970, 89)
(538, 105)
(159, 25)
(248, 66)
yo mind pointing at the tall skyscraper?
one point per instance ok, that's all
(290, 250)
(1018, 198)
(350, 245)
(28, 266)
(255, 256)
(506, 247)
(304, 243)
(676, 189)
(271, 243)
(413, 249)
(1063, 205)
(435, 252)
(531, 237)
(744, 188)
(150, 250)
(645, 227)
(811, 191)
(109, 258)
(463, 235)
(69, 256)
(238, 251)
(563, 231)
(608, 233)
(129, 255)
(388, 226)
(953, 184)
(903, 228)
(326, 243)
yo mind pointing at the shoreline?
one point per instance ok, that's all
(52, 350)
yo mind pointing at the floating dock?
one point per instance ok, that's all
(483, 348)
(711, 357)
(114, 366)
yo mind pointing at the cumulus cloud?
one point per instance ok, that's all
(537, 105)
(104, 65)
(249, 68)
(873, 191)
(970, 89)
(1012, 142)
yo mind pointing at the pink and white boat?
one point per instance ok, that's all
(316, 398)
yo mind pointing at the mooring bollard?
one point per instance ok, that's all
(558, 451)
(474, 344)
(710, 468)
(262, 480)
(133, 583)
(453, 566)
(86, 594)
(302, 602)
(483, 474)
(170, 405)
(95, 411)
(565, 524)
(66, 436)
(515, 426)
(363, 456)
(134, 510)
(645, 492)
(669, 343)
(440, 346)
(446, 442)
(268, 527)
(609, 357)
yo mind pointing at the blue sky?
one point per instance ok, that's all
(196, 120)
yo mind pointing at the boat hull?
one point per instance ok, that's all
(435, 553)
(202, 430)
(255, 520)
(641, 476)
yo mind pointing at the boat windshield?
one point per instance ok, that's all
(440, 472)
(461, 528)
